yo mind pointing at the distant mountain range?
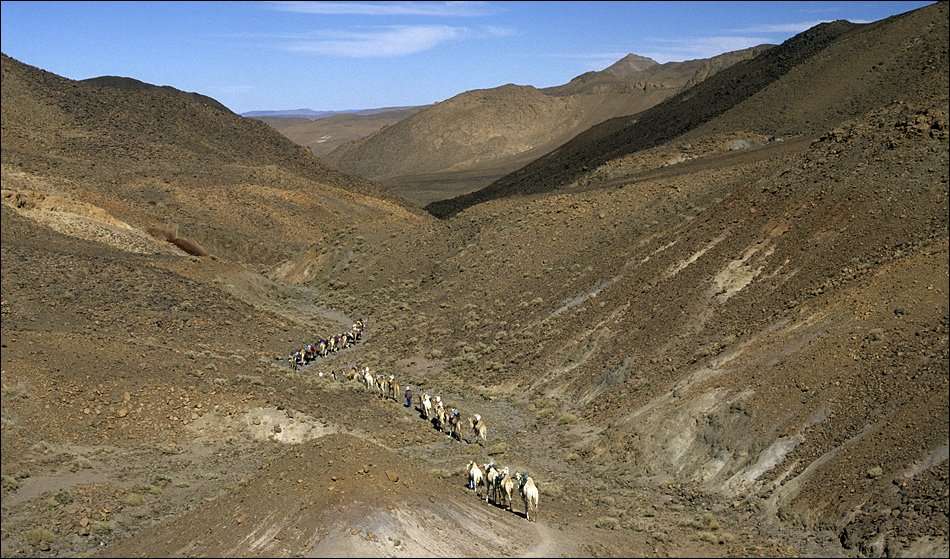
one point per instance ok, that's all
(315, 115)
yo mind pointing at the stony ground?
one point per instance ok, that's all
(211, 445)
(764, 296)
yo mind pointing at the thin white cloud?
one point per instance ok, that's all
(441, 9)
(381, 42)
(497, 31)
(793, 28)
(698, 47)
(232, 89)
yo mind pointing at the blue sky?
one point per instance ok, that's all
(362, 55)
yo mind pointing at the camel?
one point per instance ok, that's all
(426, 404)
(475, 477)
(503, 486)
(490, 475)
(455, 425)
(440, 417)
(529, 494)
(382, 386)
(393, 388)
(478, 427)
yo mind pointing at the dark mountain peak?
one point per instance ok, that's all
(132, 84)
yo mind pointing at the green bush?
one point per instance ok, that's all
(63, 497)
(40, 535)
(567, 418)
(498, 448)
(8, 483)
(134, 500)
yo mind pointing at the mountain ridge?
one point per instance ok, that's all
(727, 341)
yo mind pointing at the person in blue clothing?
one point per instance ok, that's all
(408, 396)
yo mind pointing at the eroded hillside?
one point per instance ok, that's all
(475, 137)
(731, 341)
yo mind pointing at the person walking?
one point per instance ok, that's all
(408, 396)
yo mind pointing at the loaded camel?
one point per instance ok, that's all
(503, 486)
(478, 427)
(529, 494)
(491, 473)
(455, 425)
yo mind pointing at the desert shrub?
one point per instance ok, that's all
(545, 413)
(80, 463)
(434, 354)
(250, 379)
(706, 522)
(498, 448)
(102, 527)
(148, 488)
(716, 538)
(567, 418)
(637, 523)
(134, 500)
(551, 489)
(8, 483)
(40, 535)
(607, 523)
(63, 497)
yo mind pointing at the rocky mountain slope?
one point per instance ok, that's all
(475, 137)
(165, 162)
(325, 134)
(813, 81)
(727, 341)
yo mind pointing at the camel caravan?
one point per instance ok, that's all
(496, 485)
(325, 346)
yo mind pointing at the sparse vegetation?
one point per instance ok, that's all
(134, 500)
(40, 535)
(809, 252)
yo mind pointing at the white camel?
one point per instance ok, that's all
(529, 494)
(426, 405)
(475, 477)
